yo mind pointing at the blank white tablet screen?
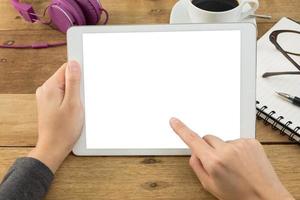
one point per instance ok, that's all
(135, 82)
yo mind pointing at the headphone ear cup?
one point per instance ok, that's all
(60, 18)
(76, 11)
(66, 13)
(91, 10)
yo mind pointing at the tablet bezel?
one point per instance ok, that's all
(248, 77)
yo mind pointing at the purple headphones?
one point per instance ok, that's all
(63, 14)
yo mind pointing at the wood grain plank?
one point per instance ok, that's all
(18, 122)
(22, 71)
(145, 177)
(280, 8)
(262, 28)
(137, 12)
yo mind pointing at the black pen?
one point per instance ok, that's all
(293, 99)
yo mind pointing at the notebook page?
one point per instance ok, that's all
(270, 59)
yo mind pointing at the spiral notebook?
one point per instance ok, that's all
(279, 113)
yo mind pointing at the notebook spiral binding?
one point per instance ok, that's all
(276, 123)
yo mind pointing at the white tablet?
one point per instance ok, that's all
(136, 77)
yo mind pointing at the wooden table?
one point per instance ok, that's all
(22, 71)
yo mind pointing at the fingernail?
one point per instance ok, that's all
(73, 66)
(174, 120)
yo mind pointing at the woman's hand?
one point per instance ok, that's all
(60, 116)
(232, 170)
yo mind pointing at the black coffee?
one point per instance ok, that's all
(216, 5)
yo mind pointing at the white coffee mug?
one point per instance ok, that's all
(237, 14)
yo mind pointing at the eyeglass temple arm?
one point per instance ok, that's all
(268, 74)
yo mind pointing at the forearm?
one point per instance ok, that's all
(27, 179)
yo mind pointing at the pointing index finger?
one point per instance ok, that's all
(196, 143)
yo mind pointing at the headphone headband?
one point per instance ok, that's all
(63, 14)
(40, 45)
(25, 10)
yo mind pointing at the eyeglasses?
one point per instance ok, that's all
(288, 43)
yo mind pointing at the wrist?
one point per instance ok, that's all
(51, 157)
(283, 196)
(279, 194)
(279, 197)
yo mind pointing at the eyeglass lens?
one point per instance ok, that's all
(289, 42)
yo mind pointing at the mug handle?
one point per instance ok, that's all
(253, 4)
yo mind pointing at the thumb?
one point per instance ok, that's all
(72, 87)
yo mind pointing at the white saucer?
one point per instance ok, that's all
(179, 15)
